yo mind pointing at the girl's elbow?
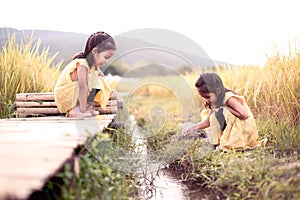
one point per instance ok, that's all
(244, 116)
(206, 124)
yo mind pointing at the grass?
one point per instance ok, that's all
(160, 105)
(24, 68)
(265, 173)
(174, 94)
(273, 172)
(271, 91)
(106, 172)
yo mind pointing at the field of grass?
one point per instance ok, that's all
(24, 69)
(161, 104)
(273, 94)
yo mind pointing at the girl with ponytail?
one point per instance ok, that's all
(227, 119)
(81, 80)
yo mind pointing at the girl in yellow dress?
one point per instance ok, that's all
(227, 119)
(82, 79)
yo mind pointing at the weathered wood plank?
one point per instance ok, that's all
(46, 96)
(30, 111)
(25, 104)
(41, 104)
(33, 149)
(27, 111)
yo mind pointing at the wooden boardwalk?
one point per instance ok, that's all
(32, 150)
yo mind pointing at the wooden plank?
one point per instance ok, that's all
(107, 110)
(116, 103)
(34, 162)
(33, 149)
(27, 111)
(31, 111)
(45, 161)
(46, 96)
(8, 189)
(37, 104)
(51, 119)
(26, 104)
(20, 104)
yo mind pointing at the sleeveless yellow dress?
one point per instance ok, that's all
(66, 91)
(238, 134)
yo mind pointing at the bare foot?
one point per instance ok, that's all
(75, 112)
(92, 111)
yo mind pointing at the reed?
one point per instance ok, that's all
(24, 67)
(272, 91)
(271, 172)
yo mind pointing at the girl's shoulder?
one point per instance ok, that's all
(75, 63)
(81, 62)
(230, 94)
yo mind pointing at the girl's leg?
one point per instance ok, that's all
(75, 112)
(91, 101)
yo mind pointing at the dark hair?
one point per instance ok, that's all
(101, 40)
(210, 82)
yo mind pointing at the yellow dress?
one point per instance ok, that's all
(213, 131)
(238, 134)
(66, 91)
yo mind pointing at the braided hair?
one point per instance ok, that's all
(101, 40)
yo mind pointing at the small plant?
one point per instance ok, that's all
(106, 172)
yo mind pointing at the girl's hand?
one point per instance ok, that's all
(201, 125)
(101, 73)
(113, 94)
(187, 131)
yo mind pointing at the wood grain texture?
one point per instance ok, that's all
(33, 149)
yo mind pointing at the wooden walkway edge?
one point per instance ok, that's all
(33, 149)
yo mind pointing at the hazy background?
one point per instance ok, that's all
(134, 50)
(238, 32)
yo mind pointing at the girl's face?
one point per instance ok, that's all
(209, 98)
(102, 57)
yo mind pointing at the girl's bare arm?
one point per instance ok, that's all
(82, 73)
(236, 108)
(201, 125)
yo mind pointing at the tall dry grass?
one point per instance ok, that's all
(272, 91)
(24, 68)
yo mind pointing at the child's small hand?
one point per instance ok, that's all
(101, 74)
(187, 131)
(113, 94)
